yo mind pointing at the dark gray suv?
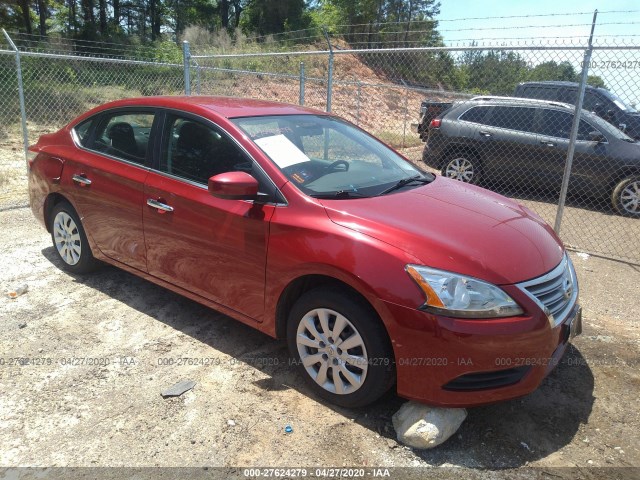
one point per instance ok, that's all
(504, 140)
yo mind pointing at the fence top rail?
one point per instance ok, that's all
(420, 49)
(91, 59)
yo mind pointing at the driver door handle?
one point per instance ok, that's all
(484, 134)
(159, 205)
(547, 143)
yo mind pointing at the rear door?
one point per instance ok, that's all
(509, 143)
(212, 247)
(105, 179)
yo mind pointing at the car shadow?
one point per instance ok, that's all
(504, 435)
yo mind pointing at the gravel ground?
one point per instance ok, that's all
(84, 359)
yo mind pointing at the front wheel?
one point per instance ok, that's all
(463, 167)
(341, 348)
(626, 197)
(70, 241)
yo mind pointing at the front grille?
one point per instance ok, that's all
(555, 292)
(485, 380)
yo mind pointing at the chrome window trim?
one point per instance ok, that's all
(557, 271)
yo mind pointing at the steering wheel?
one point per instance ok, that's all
(338, 163)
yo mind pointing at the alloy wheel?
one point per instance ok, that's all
(332, 351)
(66, 238)
(460, 169)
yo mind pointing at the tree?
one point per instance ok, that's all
(274, 16)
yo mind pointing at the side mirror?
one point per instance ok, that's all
(596, 136)
(234, 186)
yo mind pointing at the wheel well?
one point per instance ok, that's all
(458, 149)
(300, 286)
(52, 200)
(624, 172)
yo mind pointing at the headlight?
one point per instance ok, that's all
(456, 295)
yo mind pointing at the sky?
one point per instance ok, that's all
(551, 21)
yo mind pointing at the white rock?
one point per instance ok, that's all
(421, 426)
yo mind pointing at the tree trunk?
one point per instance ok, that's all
(237, 10)
(26, 15)
(224, 13)
(42, 15)
(116, 12)
(102, 5)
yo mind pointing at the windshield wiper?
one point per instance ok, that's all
(340, 194)
(406, 181)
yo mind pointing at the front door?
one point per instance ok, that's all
(212, 247)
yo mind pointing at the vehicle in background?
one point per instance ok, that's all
(600, 101)
(305, 227)
(523, 141)
(429, 111)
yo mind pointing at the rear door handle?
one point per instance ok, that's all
(485, 134)
(159, 205)
(547, 143)
(81, 180)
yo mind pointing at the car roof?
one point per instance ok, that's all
(557, 83)
(515, 101)
(229, 107)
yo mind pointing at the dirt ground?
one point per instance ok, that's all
(84, 359)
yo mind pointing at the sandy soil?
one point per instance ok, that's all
(84, 360)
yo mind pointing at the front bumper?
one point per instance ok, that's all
(463, 363)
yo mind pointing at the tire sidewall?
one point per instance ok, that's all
(381, 369)
(616, 194)
(477, 172)
(87, 262)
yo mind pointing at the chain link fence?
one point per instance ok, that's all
(499, 115)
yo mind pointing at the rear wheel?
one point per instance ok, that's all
(463, 167)
(341, 347)
(626, 197)
(70, 241)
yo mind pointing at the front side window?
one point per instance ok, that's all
(124, 135)
(195, 151)
(558, 124)
(324, 156)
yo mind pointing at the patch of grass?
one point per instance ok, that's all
(398, 140)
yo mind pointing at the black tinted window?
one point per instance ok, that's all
(556, 123)
(83, 130)
(475, 114)
(124, 135)
(513, 118)
(541, 93)
(196, 151)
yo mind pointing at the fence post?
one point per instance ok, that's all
(301, 97)
(574, 128)
(358, 103)
(406, 114)
(330, 72)
(186, 58)
(23, 110)
(198, 79)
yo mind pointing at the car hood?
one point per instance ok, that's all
(457, 227)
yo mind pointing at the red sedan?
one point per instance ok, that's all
(304, 226)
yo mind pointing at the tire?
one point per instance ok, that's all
(371, 370)
(463, 167)
(626, 197)
(70, 241)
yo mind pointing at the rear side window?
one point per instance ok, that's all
(539, 92)
(475, 115)
(513, 118)
(82, 131)
(124, 135)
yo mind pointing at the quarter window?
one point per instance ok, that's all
(475, 115)
(82, 131)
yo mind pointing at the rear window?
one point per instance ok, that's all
(513, 118)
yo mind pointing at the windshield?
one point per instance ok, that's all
(619, 102)
(326, 157)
